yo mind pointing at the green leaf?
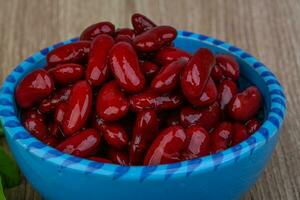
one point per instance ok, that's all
(1, 130)
(8, 170)
(2, 197)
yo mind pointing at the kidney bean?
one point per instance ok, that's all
(141, 23)
(173, 119)
(151, 100)
(195, 75)
(144, 132)
(83, 144)
(169, 54)
(154, 38)
(96, 29)
(221, 137)
(78, 109)
(252, 125)
(209, 95)
(34, 88)
(97, 69)
(76, 52)
(206, 117)
(99, 159)
(59, 96)
(227, 90)
(150, 69)
(50, 140)
(67, 73)
(118, 157)
(245, 105)
(240, 133)
(229, 66)
(166, 147)
(36, 125)
(217, 74)
(168, 77)
(31, 113)
(197, 143)
(125, 67)
(126, 32)
(111, 103)
(114, 135)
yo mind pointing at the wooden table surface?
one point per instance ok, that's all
(269, 29)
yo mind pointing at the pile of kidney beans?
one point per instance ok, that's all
(128, 96)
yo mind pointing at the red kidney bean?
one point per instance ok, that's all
(141, 23)
(78, 109)
(166, 147)
(150, 69)
(229, 66)
(195, 75)
(123, 38)
(36, 125)
(58, 117)
(169, 54)
(245, 105)
(197, 143)
(59, 96)
(221, 137)
(99, 159)
(96, 29)
(118, 157)
(227, 90)
(154, 38)
(207, 117)
(34, 88)
(31, 113)
(76, 52)
(150, 100)
(209, 95)
(125, 67)
(111, 103)
(240, 133)
(168, 77)
(67, 73)
(173, 119)
(114, 135)
(252, 125)
(97, 69)
(217, 74)
(83, 144)
(144, 132)
(51, 141)
(126, 32)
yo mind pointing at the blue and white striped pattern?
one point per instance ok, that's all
(15, 130)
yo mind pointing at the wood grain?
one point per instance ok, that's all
(269, 29)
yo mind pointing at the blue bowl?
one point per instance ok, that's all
(225, 175)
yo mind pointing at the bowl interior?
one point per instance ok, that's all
(252, 72)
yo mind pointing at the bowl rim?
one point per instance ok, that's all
(17, 133)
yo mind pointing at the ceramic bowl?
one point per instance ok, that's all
(225, 175)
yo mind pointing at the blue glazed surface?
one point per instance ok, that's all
(226, 175)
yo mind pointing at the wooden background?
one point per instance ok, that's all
(269, 29)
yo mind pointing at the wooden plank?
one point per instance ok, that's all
(269, 29)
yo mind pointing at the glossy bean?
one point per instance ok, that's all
(168, 77)
(245, 105)
(111, 103)
(252, 125)
(126, 32)
(83, 144)
(99, 159)
(141, 23)
(34, 88)
(125, 67)
(118, 157)
(76, 52)
(115, 135)
(195, 75)
(78, 109)
(36, 126)
(96, 29)
(144, 132)
(240, 133)
(229, 66)
(68, 73)
(169, 54)
(227, 90)
(166, 147)
(150, 69)
(221, 137)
